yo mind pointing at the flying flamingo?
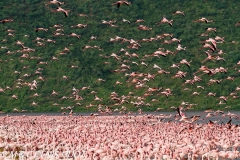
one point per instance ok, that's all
(119, 3)
(203, 19)
(59, 9)
(165, 20)
(54, 2)
(179, 12)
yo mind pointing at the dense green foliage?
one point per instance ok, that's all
(95, 63)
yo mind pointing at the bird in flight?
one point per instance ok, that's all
(165, 20)
(6, 20)
(60, 9)
(203, 19)
(119, 3)
(54, 2)
(178, 12)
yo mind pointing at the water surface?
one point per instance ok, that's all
(219, 118)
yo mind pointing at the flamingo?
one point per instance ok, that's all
(59, 9)
(14, 96)
(125, 20)
(142, 27)
(179, 48)
(54, 2)
(178, 12)
(41, 29)
(119, 3)
(75, 35)
(65, 77)
(82, 15)
(6, 20)
(97, 98)
(80, 26)
(237, 24)
(165, 20)
(203, 19)
(34, 103)
(54, 92)
(209, 29)
(139, 20)
(2, 90)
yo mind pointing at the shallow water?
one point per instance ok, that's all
(220, 118)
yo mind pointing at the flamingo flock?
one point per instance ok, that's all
(155, 66)
(116, 137)
(129, 62)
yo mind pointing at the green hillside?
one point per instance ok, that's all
(49, 62)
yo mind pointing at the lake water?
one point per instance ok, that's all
(203, 119)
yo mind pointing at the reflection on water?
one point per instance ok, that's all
(219, 118)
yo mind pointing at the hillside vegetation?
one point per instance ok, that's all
(112, 60)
